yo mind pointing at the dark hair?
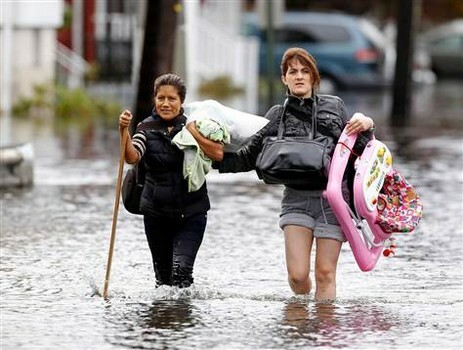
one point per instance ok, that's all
(172, 80)
(305, 58)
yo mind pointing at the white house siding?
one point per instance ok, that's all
(34, 57)
(31, 57)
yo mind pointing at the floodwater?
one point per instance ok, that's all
(55, 238)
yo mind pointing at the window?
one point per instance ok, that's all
(328, 33)
(308, 33)
(287, 35)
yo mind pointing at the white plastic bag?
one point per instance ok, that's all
(241, 125)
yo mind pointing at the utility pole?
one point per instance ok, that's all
(270, 18)
(402, 86)
(270, 33)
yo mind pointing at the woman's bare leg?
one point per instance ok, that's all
(298, 246)
(326, 261)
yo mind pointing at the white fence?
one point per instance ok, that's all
(215, 48)
(221, 54)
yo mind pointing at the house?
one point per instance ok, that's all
(28, 57)
(28, 43)
(109, 33)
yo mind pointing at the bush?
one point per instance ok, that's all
(220, 88)
(71, 105)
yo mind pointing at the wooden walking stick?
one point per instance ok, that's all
(115, 211)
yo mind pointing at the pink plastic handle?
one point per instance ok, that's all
(366, 251)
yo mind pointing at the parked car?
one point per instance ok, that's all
(445, 47)
(345, 56)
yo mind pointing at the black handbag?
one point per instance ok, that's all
(132, 187)
(298, 161)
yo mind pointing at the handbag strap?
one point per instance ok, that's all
(140, 172)
(281, 126)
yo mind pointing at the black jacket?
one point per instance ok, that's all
(166, 191)
(331, 120)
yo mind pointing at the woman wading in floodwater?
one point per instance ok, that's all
(175, 219)
(305, 214)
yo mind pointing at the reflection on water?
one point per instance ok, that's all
(333, 325)
(168, 314)
(152, 325)
(55, 236)
(434, 107)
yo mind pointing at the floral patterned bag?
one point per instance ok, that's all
(399, 206)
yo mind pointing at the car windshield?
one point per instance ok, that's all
(312, 33)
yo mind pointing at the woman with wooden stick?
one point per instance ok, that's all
(175, 219)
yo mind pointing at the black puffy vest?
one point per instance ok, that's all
(166, 191)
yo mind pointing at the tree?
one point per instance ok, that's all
(158, 50)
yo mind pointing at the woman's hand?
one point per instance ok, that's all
(131, 154)
(191, 126)
(359, 123)
(214, 150)
(124, 119)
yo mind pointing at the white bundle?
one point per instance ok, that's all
(241, 125)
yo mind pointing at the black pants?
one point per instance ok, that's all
(174, 244)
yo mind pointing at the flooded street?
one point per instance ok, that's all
(55, 238)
